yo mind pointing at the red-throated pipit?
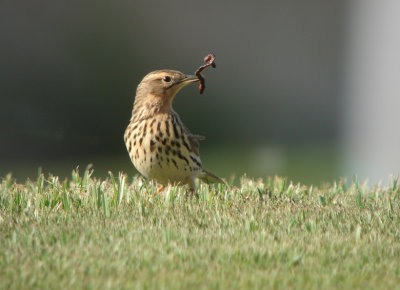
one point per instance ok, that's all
(159, 144)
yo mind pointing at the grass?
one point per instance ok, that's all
(87, 233)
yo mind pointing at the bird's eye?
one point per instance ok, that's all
(166, 79)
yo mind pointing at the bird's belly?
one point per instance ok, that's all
(165, 163)
(166, 169)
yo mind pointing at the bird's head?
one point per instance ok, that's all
(158, 88)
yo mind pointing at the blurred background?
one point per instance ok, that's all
(306, 89)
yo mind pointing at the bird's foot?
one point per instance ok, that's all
(159, 190)
(192, 193)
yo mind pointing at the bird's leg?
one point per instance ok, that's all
(159, 190)
(191, 189)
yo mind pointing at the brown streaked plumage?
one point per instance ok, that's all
(159, 144)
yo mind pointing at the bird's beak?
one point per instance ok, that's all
(183, 82)
(187, 80)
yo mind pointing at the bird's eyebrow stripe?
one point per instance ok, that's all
(161, 75)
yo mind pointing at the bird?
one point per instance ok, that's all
(160, 146)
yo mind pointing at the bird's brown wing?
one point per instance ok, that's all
(194, 140)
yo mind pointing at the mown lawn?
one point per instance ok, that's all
(115, 234)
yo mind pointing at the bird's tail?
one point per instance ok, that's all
(209, 177)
